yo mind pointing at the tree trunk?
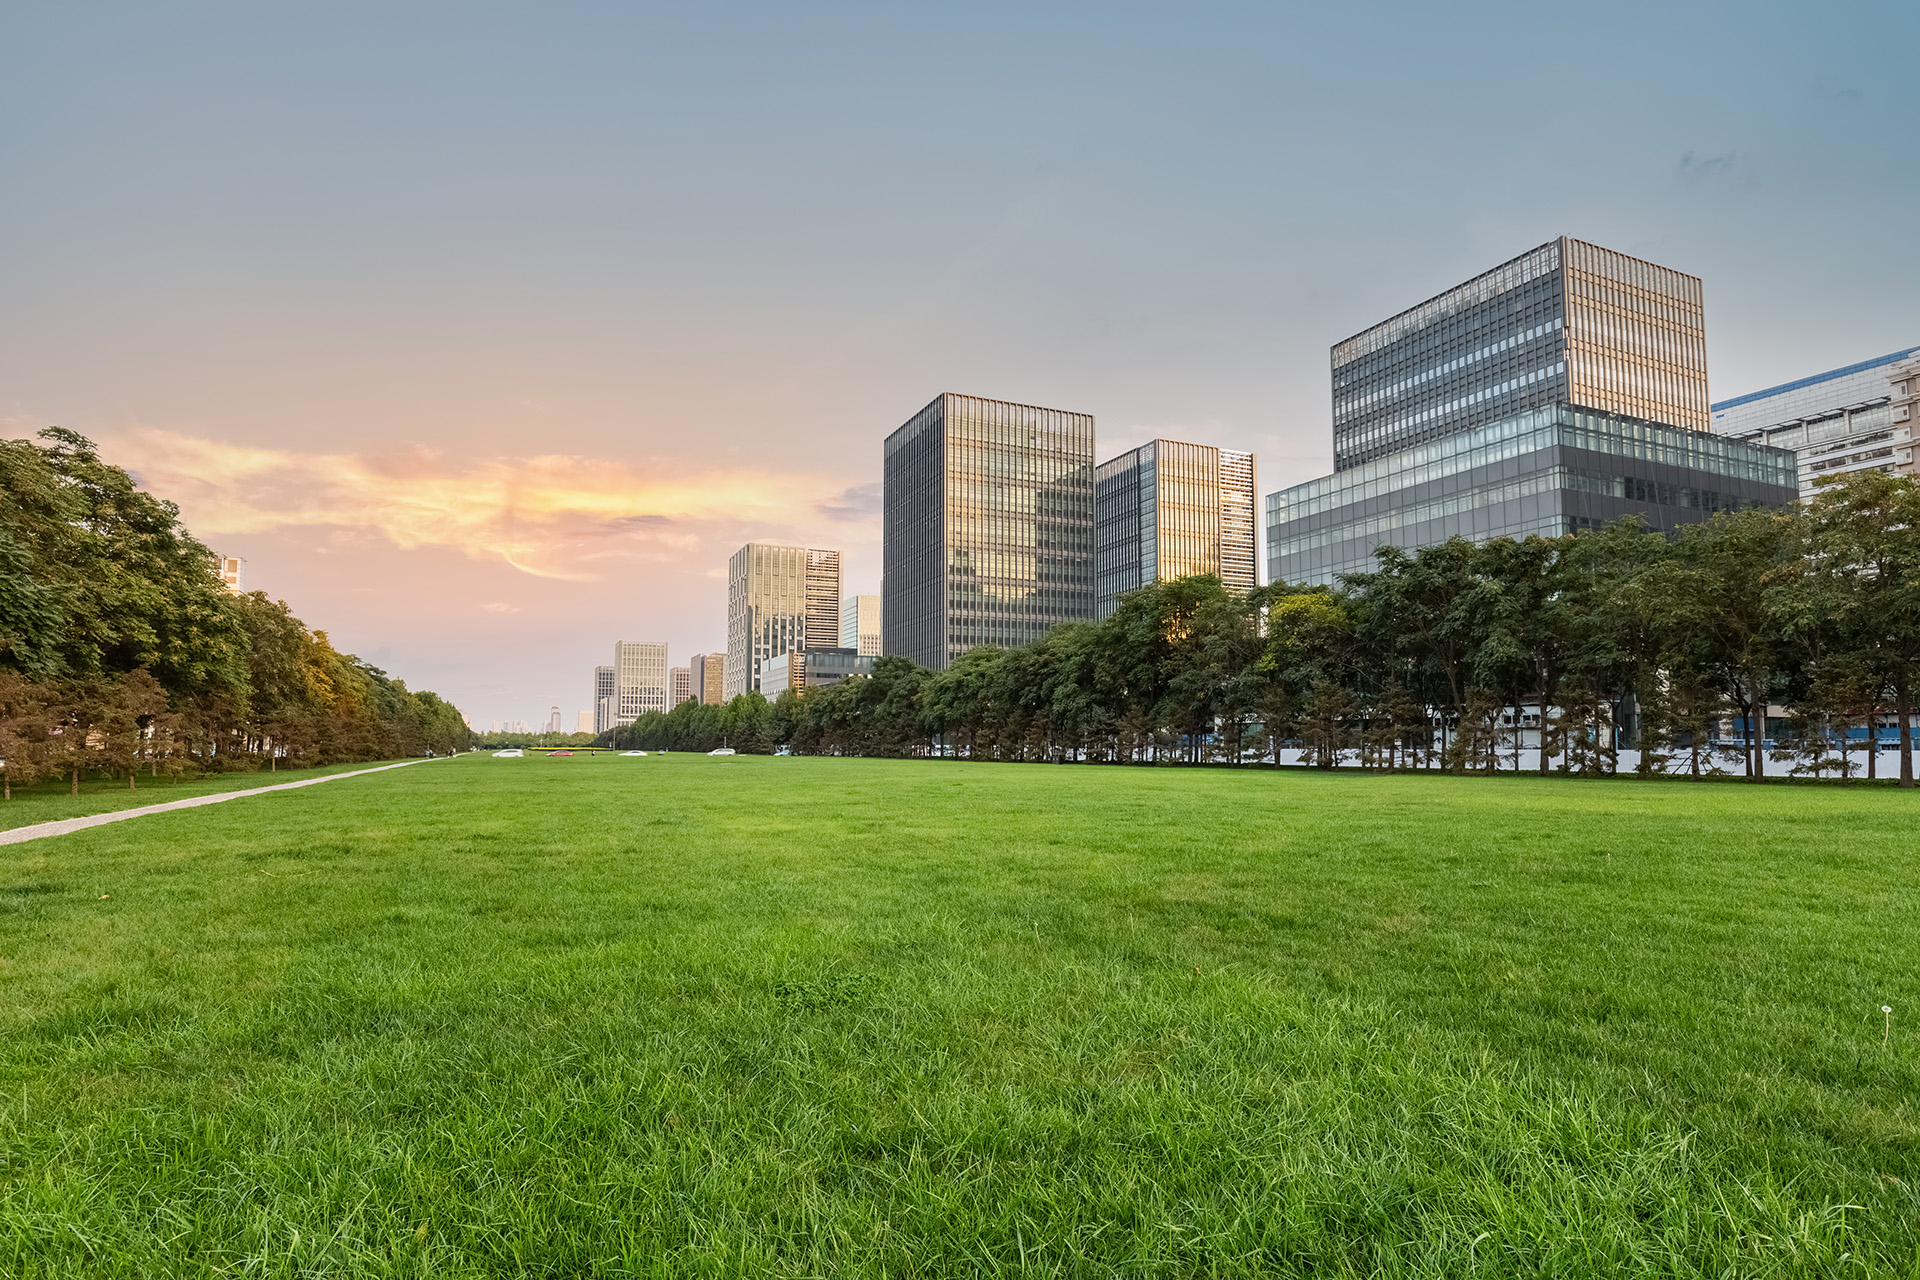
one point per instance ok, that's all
(1906, 736)
(76, 781)
(1757, 724)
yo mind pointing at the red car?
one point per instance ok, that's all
(552, 754)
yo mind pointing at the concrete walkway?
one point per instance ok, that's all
(66, 825)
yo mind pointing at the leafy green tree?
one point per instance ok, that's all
(1865, 536)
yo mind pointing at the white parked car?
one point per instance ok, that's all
(722, 751)
(633, 753)
(511, 753)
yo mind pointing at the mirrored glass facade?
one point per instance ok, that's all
(779, 599)
(1566, 323)
(987, 527)
(1168, 510)
(1547, 471)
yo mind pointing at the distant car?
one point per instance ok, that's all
(723, 751)
(511, 753)
(633, 753)
(552, 754)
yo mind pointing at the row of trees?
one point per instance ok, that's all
(1442, 658)
(122, 651)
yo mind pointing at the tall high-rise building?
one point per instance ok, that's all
(583, 723)
(778, 599)
(1168, 510)
(1567, 323)
(860, 625)
(604, 706)
(553, 720)
(987, 527)
(640, 680)
(679, 686)
(1552, 394)
(1856, 418)
(709, 678)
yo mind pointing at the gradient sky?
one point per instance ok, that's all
(487, 332)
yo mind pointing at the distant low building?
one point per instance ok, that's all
(583, 723)
(811, 669)
(679, 686)
(233, 572)
(1856, 418)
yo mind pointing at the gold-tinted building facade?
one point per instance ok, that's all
(779, 599)
(1170, 509)
(1636, 337)
(1567, 323)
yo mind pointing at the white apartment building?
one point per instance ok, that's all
(860, 625)
(233, 572)
(1854, 418)
(679, 686)
(779, 599)
(603, 705)
(640, 680)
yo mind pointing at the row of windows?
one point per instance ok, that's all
(1352, 404)
(1509, 276)
(1501, 312)
(1550, 479)
(1440, 412)
(1524, 433)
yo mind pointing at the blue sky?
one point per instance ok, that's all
(328, 274)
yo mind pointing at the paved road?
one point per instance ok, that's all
(65, 825)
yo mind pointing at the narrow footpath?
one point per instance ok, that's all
(66, 825)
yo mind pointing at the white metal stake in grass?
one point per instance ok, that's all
(1886, 1034)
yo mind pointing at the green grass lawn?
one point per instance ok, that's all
(685, 1016)
(52, 800)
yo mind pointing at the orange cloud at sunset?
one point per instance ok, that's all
(555, 516)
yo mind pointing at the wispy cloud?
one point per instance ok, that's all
(555, 516)
(861, 502)
(1695, 167)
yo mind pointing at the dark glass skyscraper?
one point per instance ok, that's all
(987, 527)
(1552, 394)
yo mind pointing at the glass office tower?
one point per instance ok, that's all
(1170, 509)
(1567, 323)
(778, 599)
(1552, 394)
(987, 527)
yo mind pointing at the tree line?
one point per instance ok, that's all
(1442, 658)
(122, 652)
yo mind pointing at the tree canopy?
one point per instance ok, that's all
(121, 649)
(1442, 658)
